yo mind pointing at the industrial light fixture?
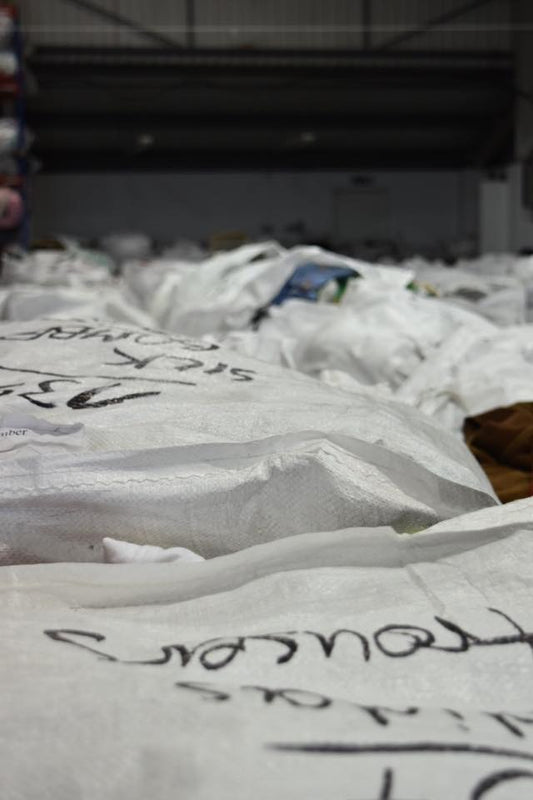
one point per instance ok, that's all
(145, 141)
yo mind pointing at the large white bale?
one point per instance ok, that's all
(351, 664)
(184, 443)
(473, 372)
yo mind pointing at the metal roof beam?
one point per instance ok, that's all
(213, 58)
(192, 160)
(44, 120)
(125, 22)
(436, 22)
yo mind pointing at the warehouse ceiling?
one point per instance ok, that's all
(232, 85)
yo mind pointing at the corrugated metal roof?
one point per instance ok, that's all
(270, 24)
(484, 27)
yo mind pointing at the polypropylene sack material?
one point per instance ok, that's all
(379, 334)
(187, 444)
(352, 664)
(473, 372)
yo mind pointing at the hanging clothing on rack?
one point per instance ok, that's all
(11, 209)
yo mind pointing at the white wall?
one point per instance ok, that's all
(505, 224)
(496, 215)
(426, 208)
(521, 218)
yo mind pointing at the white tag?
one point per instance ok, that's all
(19, 431)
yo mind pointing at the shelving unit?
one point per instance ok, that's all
(13, 106)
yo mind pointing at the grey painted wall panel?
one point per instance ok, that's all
(425, 207)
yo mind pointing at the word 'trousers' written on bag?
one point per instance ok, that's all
(349, 665)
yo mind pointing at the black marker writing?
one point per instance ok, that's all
(9, 389)
(387, 790)
(517, 726)
(45, 388)
(485, 787)
(130, 361)
(83, 399)
(220, 367)
(390, 641)
(242, 374)
(394, 748)
(148, 338)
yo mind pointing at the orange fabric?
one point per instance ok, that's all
(502, 442)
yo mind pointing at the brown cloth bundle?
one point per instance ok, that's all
(502, 442)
